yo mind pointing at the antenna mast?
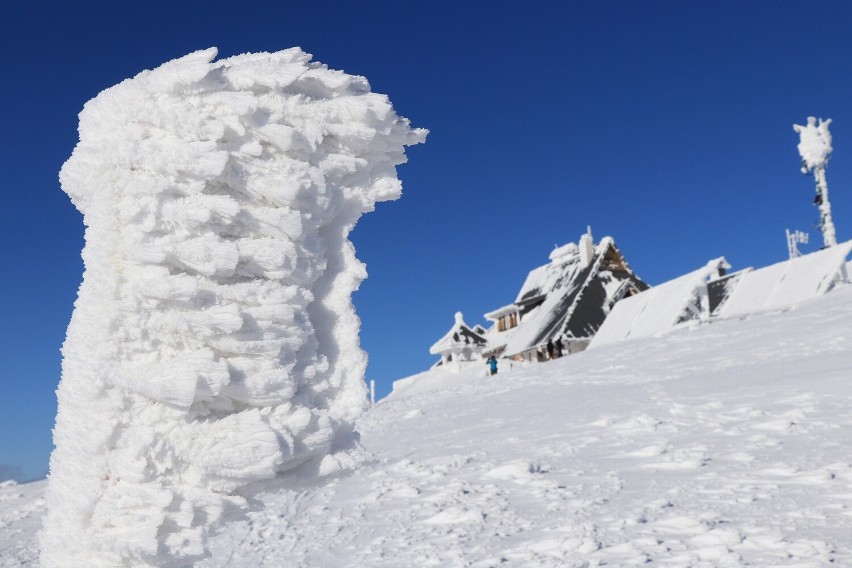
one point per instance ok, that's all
(815, 148)
(793, 240)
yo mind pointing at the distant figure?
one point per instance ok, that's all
(492, 364)
(559, 346)
(550, 349)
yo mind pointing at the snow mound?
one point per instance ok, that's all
(213, 342)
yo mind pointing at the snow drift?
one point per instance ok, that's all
(213, 342)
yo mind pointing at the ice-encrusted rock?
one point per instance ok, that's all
(213, 342)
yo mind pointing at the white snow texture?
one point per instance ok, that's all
(723, 445)
(788, 283)
(213, 343)
(657, 309)
(814, 143)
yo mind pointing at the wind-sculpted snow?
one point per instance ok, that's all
(723, 445)
(213, 342)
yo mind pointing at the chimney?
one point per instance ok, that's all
(587, 248)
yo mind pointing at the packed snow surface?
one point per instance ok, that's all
(213, 343)
(723, 444)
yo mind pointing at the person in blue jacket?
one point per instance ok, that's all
(492, 364)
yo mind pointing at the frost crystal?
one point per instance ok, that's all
(815, 148)
(814, 143)
(213, 343)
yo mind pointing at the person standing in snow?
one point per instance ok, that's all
(559, 346)
(492, 364)
(550, 349)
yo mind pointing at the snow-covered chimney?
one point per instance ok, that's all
(587, 248)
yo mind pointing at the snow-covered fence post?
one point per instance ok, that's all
(815, 148)
(213, 344)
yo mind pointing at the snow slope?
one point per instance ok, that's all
(727, 444)
(21, 511)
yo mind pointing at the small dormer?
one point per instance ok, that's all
(505, 318)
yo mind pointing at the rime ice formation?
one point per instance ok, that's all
(815, 148)
(213, 342)
(814, 143)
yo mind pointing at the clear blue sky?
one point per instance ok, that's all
(664, 124)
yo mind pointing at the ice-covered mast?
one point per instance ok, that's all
(815, 149)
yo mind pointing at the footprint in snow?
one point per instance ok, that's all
(686, 458)
(651, 451)
(787, 422)
(516, 470)
(455, 515)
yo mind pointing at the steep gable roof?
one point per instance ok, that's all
(459, 337)
(789, 282)
(659, 308)
(568, 296)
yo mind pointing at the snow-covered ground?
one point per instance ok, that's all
(21, 510)
(727, 444)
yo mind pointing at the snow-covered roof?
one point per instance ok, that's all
(569, 297)
(719, 289)
(787, 283)
(459, 337)
(657, 309)
(571, 249)
(564, 266)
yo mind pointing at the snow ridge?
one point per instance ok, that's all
(213, 343)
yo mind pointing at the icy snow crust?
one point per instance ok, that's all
(717, 445)
(213, 342)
